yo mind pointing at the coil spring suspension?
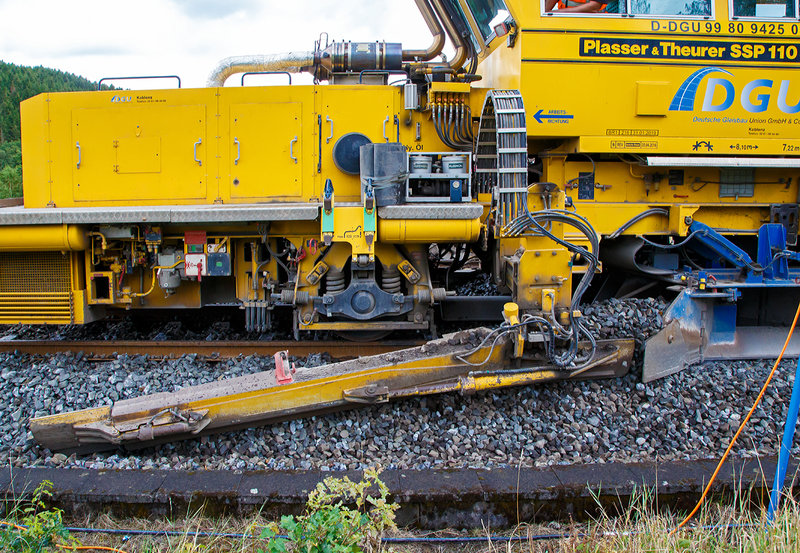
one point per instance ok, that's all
(334, 281)
(390, 282)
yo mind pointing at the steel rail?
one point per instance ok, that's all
(209, 350)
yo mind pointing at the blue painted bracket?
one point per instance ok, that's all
(701, 322)
(786, 447)
(327, 213)
(772, 267)
(714, 241)
(370, 214)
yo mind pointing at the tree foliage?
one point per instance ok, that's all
(18, 83)
(10, 169)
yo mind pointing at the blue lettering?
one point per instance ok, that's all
(720, 94)
(782, 94)
(730, 94)
(763, 99)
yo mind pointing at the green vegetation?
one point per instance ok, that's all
(10, 169)
(18, 83)
(329, 525)
(736, 525)
(342, 516)
(32, 528)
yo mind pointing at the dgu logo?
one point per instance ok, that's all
(755, 96)
(120, 99)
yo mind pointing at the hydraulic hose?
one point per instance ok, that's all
(528, 220)
(155, 279)
(637, 218)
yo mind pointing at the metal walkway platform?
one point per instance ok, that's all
(207, 213)
(217, 213)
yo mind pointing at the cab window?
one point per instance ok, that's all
(487, 14)
(700, 8)
(670, 7)
(766, 9)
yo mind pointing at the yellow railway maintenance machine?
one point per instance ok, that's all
(653, 144)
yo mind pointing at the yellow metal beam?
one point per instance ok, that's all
(468, 361)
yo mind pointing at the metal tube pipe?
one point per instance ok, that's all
(290, 62)
(436, 30)
(460, 56)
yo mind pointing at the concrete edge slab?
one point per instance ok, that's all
(428, 499)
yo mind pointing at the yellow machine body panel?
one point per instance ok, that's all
(141, 153)
(203, 146)
(601, 94)
(656, 84)
(264, 144)
(368, 110)
(271, 136)
(117, 147)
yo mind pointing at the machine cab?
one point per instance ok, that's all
(653, 76)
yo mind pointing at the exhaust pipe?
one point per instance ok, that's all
(436, 30)
(354, 56)
(460, 56)
(292, 62)
(338, 57)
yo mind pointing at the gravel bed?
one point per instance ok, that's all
(476, 284)
(689, 415)
(178, 326)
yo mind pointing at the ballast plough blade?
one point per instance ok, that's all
(463, 362)
(702, 327)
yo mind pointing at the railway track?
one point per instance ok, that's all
(690, 415)
(102, 350)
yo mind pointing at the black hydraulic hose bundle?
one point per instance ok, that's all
(453, 124)
(536, 222)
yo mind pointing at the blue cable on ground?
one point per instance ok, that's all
(456, 539)
(786, 447)
(410, 539)
(127, 533)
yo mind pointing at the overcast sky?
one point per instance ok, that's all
(107, 38)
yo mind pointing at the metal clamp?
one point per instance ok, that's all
(291, 149)
(78, 145)
(238, 150)
(386, 122)
(329, 120)
(284, 370)
(196, 144)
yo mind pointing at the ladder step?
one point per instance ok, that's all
(512, 170)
